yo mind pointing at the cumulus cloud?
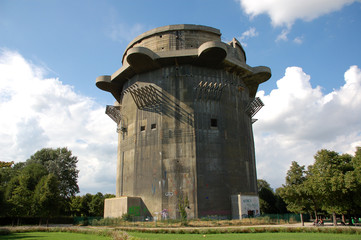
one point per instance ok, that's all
(250, 33)
(38, 112)
(285, 12)
(298, 120)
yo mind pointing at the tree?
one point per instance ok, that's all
(267, 198)
(19, 197)
(293, 192)
(19, 189)
(281, 206)
(75, 206)
(354, 180)
(6, 173)
(6, 164)
(96, 205)
(85, 202)
(47, 197)
(88, 204)
(62, 164)
(330, 175)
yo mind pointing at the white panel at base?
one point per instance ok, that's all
(245, 206)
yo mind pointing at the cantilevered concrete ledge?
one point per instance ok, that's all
(182, 44)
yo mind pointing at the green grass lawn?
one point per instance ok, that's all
(249, 236)
(53, 236)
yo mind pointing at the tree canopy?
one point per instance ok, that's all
(269, 201)
(45, 186)
(62, 164)
(331, 184)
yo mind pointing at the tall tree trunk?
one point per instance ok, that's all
(343, 218)
(334, 219)
(303, 223)
(316, 217)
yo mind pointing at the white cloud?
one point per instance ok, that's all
(298, 40)
(38, 112)
(123, 33)
(286, 12)
(298, 120)
(283, 35)
(251, 32)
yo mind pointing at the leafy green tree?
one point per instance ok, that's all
(109, 195)
(267, 198)
(19, 189)
(280, 203)
(85, 203)
(62, 164)
(354, 180)
(19, 198)
(34, 172)
(96, 205)
(330, 175)
(6, 173)
(47, 197)
(75, 206)
(88, 204)
(293, 192)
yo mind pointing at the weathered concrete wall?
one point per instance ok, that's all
(116, 207)
(186, 120)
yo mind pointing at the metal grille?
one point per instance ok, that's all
(254, 106)
(114, 113)
(209, 90)
(144, 97)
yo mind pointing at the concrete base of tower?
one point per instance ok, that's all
(117, 207)
(244, 206)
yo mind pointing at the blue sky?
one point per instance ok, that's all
(312, 47)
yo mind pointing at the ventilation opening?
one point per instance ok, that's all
(142, 128)
(214, 122)
(153, 126)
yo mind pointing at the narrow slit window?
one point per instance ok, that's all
(214, 122)
(142, 128)
(153, 126)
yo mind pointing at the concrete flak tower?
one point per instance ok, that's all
(184, 108)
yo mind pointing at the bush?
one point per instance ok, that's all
(127, 217)
(4, 232)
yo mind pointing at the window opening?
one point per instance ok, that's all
(142, 128)
(153, 126)
(214, 122)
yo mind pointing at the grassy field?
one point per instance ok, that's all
(248, 236)
(53, 236)
(243, 233)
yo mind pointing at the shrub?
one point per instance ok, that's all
(4, 231)
(127, 217)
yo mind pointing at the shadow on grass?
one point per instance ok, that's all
(20, 236)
